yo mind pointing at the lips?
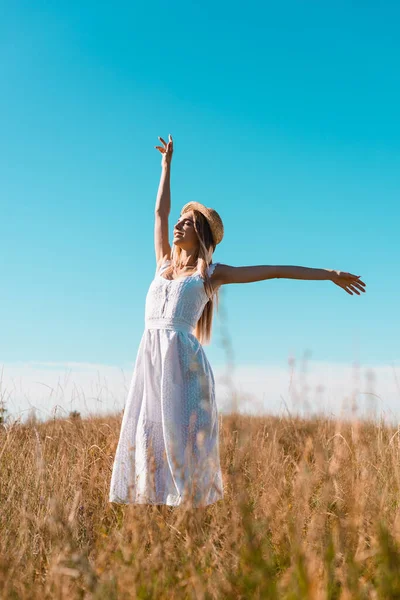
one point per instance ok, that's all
(178, 233)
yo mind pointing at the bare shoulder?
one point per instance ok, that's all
(163, 259)
(221, 274)
(224, 274)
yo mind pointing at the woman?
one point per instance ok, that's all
(168, 448)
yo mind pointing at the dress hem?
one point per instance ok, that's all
(118, 501)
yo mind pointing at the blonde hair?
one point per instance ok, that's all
(203, 256)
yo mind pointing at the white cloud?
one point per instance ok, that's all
(58, 388)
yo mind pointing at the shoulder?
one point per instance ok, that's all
(217, 273)
(163, 260)
(162, 264)
(221, 274)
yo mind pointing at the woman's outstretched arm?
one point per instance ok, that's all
(163, 203)
(224, 274)
(289, 272)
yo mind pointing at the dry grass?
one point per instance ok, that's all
(310, 511)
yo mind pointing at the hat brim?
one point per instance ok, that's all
(213, 218)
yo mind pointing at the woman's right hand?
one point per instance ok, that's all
(166, 151)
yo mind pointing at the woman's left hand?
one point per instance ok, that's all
(348, 282)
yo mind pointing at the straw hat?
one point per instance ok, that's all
(213, 218)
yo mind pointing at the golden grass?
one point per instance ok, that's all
(310, 511)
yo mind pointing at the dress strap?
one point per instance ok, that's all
(163, 266)
(210, 268)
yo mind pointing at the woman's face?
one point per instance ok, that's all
(184, 234)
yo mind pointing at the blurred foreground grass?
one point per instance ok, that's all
(311, 510)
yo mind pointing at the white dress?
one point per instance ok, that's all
(168, 448)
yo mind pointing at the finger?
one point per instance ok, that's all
(170, 137)
(350, 285)
(162, 150)
(355, 278)
(358, 286)
(354, 285)
(354, 290)
(358, 279)
(359, 283)
(163, 141)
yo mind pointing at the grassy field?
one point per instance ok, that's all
(311, 510)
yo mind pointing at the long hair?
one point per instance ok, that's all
(203, 257)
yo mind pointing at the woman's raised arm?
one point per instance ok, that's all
(163, 204)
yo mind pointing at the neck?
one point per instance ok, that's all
(188, 258)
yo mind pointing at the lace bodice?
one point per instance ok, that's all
(178, 301)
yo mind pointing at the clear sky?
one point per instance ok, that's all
(285, 119)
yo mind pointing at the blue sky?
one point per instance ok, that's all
(285, 120)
